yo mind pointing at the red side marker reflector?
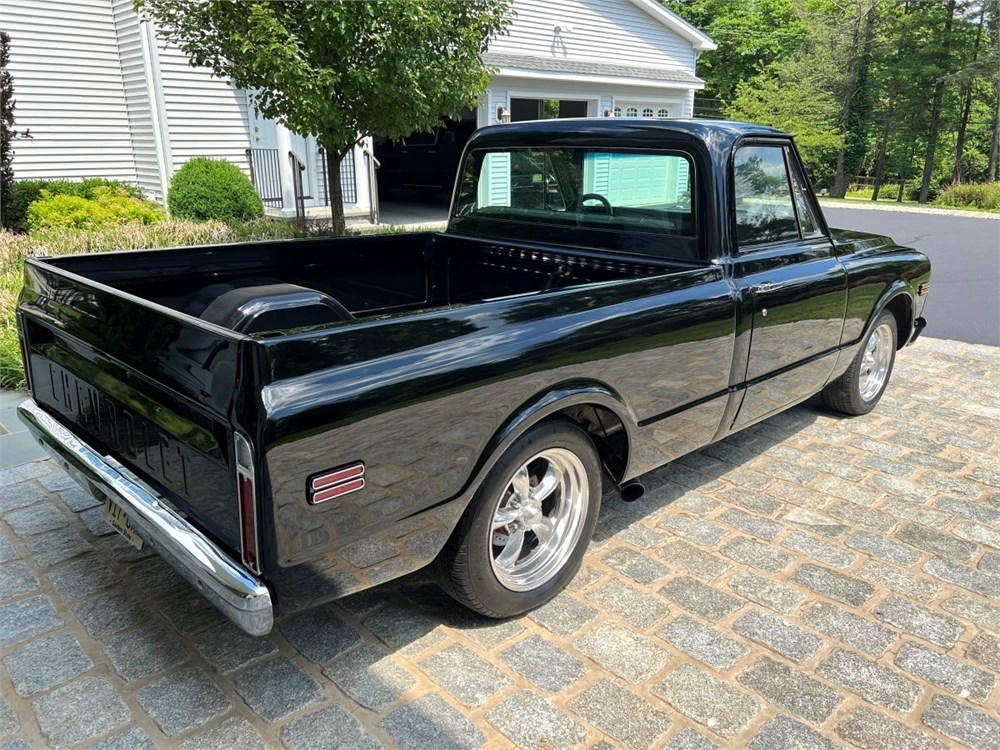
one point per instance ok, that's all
(343, 481)
(336, 477)
(248, 523)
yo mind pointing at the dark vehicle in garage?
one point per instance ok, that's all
(289, 422)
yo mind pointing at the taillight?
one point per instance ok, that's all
(22, 338)
(249, 539)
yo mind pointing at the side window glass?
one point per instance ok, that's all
(807, 220)
(764, 210)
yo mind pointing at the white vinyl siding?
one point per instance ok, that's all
(205, 116)
(104, 97)
(615, 32)
(69, 90)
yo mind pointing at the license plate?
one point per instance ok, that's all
(117, 520)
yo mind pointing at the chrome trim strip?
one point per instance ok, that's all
(231, 588)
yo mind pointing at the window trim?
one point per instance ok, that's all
(795, 163)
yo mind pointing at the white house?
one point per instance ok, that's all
(104, 96)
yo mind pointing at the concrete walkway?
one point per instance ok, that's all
(813, 581)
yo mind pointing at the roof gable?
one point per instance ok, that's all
(698, 39)
(634, 33)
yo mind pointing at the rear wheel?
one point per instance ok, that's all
(862, 385)
(523, 536)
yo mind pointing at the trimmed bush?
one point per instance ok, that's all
(106, 207)
(206, 189)
(26, 192)
(982, 195)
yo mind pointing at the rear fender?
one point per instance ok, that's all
(544, 405)
(899, 297)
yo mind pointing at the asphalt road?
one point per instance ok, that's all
(964, 303)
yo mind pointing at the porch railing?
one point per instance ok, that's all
(266, 178)
(298, 169)
(264, 175)
(348, 181)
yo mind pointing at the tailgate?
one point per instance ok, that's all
(152, 388)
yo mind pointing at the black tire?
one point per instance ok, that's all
(859, 389)
(472, 566)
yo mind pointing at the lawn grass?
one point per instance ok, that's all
(14, 248)
(888, 205)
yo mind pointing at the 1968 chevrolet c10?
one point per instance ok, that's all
(290, 422)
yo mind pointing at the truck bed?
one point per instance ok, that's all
(369, 277)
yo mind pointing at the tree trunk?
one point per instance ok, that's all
(992, 172)
(932, 133)
(337, 222)
(883, 144)
(963, 122)
(841, 180)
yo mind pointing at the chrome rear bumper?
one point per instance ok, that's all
(230, 587)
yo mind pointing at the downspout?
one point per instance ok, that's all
(157, 105)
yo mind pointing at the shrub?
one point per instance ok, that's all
(983, 195)
(27, 192)
(889, 191)
(913, 191)
(107, 206)
(206, 189)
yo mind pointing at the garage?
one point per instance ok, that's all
(559, 59)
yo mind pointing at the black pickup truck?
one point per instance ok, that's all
(290, 422)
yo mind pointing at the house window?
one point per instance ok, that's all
(642, 109)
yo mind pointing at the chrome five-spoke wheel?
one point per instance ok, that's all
(522, 538)
(538, 519)
(862, 384)
(875, 362)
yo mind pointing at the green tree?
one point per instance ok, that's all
(7, 131)
(752, 36)
(791, 97)
(342, 70)
(856, 95)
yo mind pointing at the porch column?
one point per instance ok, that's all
(284, 142)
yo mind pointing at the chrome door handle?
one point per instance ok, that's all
(764, 287)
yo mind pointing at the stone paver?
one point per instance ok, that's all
(79, 711)
(812, 581)
(46, 663)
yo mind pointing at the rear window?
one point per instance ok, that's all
(615, 200)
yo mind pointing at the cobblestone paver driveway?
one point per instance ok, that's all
(811, 582)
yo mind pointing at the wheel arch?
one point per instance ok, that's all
(595, 407)
(897, 300)
(901, 307)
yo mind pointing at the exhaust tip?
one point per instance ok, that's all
(632, 492)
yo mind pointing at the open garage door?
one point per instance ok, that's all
(422, 166)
